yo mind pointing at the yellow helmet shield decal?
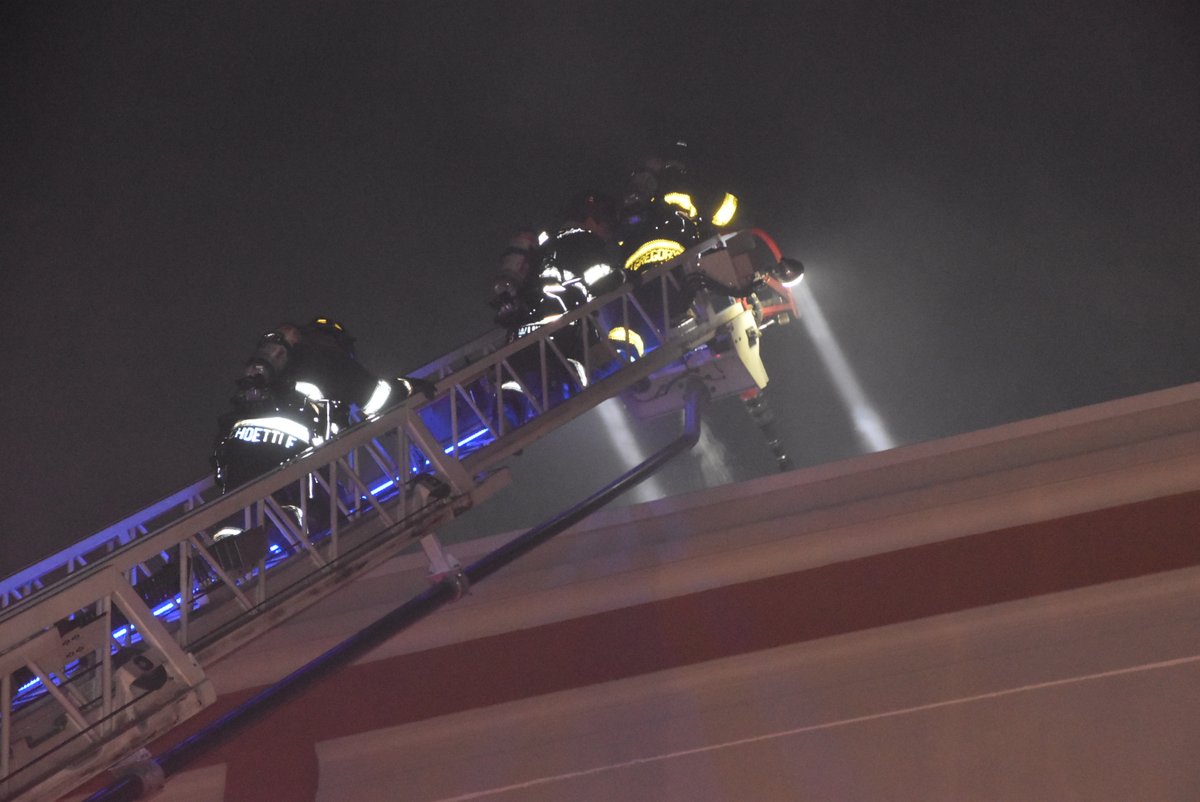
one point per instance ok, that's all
(653, 252)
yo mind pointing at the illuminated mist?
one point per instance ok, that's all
(867, 423)
(616, 423)
(714, 458)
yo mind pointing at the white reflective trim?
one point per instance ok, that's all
(579, 371)
(296, 511)
(311, 390)
(596, 272)
(378, 398)
(537, 324)
(288, 427)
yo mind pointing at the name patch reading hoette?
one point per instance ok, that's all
(263, 434)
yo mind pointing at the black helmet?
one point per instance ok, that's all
(669, 160)
(332, 331)
(676, 157)
(664, 170)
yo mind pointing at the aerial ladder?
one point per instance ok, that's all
(104, 645)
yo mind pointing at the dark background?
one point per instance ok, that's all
(998, 204)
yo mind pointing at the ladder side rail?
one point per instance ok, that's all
(489, 368)
(368, 541)
(120, 564)
(448, 467)
(399, 423)
(111, 537)
(164, 539)
(493, 369)
(36, 576)
(51, 609)
(500, 350)
(674, 342)
(496, 452)
(447, 364)
(222, 611)
(82, 684)
(493, 341)
(484, 348)
(206, 516)
(465, 374)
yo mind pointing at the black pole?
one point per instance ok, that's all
(497, 559)
(132, 786)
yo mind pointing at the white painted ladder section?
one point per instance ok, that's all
(102, 646)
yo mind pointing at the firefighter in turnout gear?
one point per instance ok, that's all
(541, 278)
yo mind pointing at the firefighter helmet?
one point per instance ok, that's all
(333, 331)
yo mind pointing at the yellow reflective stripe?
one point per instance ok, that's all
(620, 334)
(683, 201)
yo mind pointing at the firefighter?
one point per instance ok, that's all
(542, 277)
(668, 207)
(318, 360)
(310, 376)
(296, 391)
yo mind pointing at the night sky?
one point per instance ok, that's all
(998, 204)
